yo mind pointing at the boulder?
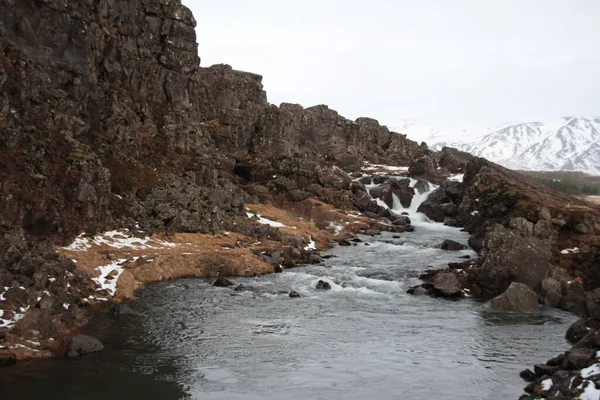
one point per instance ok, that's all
(453, 190)
(578, 358)
(528, 375)
(446, 284)
(545, 370)
(593, 304)
(314, 259)
(418, 290)
(222, 282)
(366, 180)
(377, 191)
(551, 292)
(574, 298)
(83, 344)
(322, 285)
(422, 186)
(294, 294)
(517, 298)
(432, 207)
(372, 232)
(510, 257)
(580, 328)
(452, 245)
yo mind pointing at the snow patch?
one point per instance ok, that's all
(311, 245)
(456, 177)
(265, 221)
(546, 384)
(590, 371)
(368, 167)
(118, 240)
(590, 392)
(110, 284)
(568, 251)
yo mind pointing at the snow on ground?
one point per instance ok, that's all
(311, 245)
(336, 228)
(457, 177)
(119, 240)
(567, 251)
(265, 221)
(10, 322)
(110, 284)
(383, 168)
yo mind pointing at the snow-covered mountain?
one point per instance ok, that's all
(568, 144)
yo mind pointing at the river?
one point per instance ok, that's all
(363, 339)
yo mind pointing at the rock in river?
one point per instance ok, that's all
(322, 285)
(446, 284)
(517, 298)
(83, 344)
(452, 245)
(222, 282)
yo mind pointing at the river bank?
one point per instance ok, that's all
(364, 337)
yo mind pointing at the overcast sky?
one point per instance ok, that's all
(431, 60)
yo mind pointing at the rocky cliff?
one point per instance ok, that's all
(107, 120)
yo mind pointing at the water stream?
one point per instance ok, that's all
(363, 339)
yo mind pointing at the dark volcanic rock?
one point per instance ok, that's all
(580, 328)
(83, 344)
(436, 205)
(294, 294)
(322, 285)
(578, 358)
(452, 245)
(222, 282)
(528, 375)
(422, 186)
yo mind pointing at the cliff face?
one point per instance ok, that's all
(106, 98)
(107, 120)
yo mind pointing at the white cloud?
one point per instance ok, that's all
(432, 60)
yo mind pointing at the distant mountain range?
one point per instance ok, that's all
(568, 144)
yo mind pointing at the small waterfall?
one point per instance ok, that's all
(416, 217)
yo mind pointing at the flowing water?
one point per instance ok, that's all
(363, 339)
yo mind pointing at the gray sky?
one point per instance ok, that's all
(432, 60)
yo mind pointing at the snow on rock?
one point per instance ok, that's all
(265, 221)
(457, 177)
(567, 251)
(547, 384)
(590, 392)
(119, 240)
(590, 371)
(311, 245)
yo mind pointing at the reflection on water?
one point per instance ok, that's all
(365, 338)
